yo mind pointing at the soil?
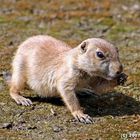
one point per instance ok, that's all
(116, 115)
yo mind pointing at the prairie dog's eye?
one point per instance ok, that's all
(100, 55)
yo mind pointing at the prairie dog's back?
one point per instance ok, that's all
(41, 50)
(44, 43)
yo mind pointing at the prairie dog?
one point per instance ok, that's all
(52, 68)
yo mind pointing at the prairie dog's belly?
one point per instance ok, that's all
(42, 89)
(45, 92)
(42, 80)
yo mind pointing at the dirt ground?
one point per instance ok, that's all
(116, 114)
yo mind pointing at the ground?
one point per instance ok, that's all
(116, 114)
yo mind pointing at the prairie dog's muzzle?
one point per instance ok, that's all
(115, 69)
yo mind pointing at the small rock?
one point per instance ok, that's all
(25, 18)
(135, 7)
(2, 104)
(38, 12)
(6, 76)
(124, 7)
(53, 113)
(42, 24)
(57, 129)
(7, 125)
(112, 99)
(6, 10)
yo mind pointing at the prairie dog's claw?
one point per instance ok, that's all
(22, 100)
(83, 118)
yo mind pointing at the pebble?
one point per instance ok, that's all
(135, 7)
(41, 25)
(25, 18)
(38, 12)
(2, 104)
(6, 76)
(57, 129)
(7, 125)
(53, 112)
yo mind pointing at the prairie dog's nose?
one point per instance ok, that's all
(119, 70)
(116, 68)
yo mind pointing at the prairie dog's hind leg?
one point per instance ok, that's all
(18, 82)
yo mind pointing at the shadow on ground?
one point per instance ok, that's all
(115, 104)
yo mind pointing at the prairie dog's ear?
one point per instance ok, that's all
(83, 47)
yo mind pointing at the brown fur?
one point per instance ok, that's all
(52, 68)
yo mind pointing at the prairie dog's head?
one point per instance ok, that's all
(100, 58)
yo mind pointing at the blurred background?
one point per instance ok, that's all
(72, 21)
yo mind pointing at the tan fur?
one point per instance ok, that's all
(52, 68)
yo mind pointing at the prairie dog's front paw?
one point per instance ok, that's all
(81, 117)
(122, 79)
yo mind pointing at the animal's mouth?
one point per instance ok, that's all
(110, 78)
